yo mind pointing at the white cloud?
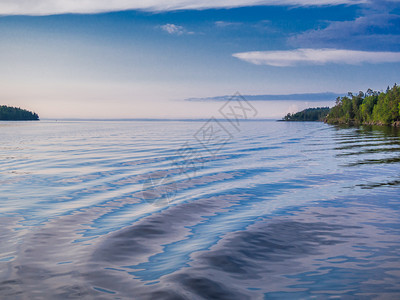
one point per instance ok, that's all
(173, 29)
(51, 7)
(316, 57)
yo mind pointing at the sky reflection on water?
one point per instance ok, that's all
(285, 210)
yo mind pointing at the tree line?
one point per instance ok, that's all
(371, 107)
(8, 113)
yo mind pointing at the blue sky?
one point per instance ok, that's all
(142, 59)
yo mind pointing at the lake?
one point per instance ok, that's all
(186, 210)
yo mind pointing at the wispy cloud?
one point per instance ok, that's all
(328, 96)
(224, 24)
(51, 7)
(173, 29)
(372, 31)
(316, 57)
(376, 28)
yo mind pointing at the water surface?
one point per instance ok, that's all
(111, 210)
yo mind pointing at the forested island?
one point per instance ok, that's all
(309, 114)
(370, 108)
(8, 113)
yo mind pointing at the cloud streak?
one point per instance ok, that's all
(296, 57)
(328, 96)
(224, 24)
(53, 7)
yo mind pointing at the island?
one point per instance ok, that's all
(369, 108)
(9, 113)
(309, 114)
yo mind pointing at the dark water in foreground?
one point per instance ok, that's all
(282, 210)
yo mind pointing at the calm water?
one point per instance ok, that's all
(111, 210)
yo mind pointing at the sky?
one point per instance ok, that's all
(150, 59)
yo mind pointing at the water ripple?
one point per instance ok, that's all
(284, 210)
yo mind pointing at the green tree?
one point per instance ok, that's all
(371, 107)
(367, 107)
